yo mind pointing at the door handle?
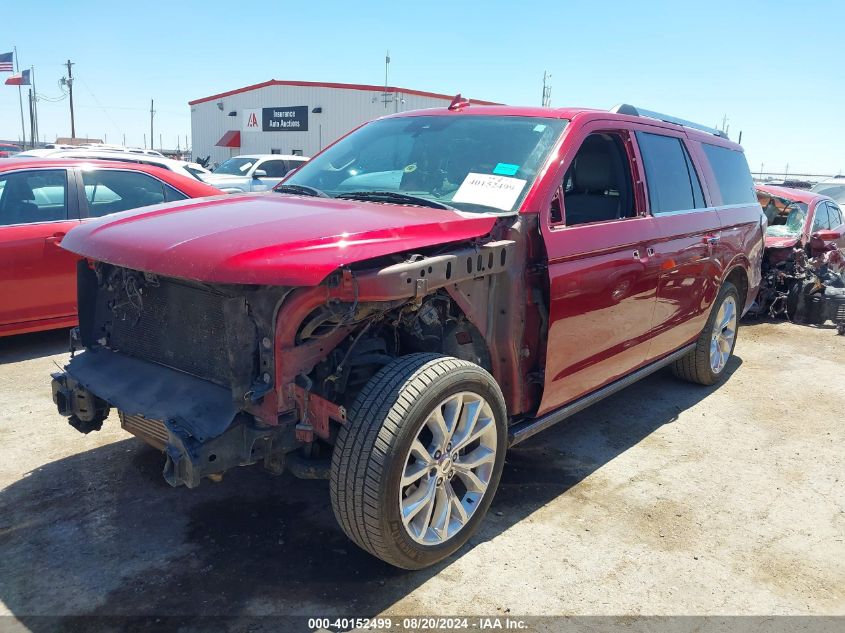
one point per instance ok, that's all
(55, 238)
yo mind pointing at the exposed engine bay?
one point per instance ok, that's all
(219, 375)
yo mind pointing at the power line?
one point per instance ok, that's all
(97, 101)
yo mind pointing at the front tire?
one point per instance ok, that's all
(706, 363)
(416, 466)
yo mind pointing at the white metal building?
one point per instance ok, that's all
(294, 117)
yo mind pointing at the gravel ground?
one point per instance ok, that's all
(666, 498)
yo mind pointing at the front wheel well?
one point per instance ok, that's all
(739, 278)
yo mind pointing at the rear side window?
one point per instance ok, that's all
(673, 184)
(110, 191)
(821, 220)
(732, 174)
(33, 196)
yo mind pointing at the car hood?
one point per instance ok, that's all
(222, 179)
(772, 241)
(266, 238)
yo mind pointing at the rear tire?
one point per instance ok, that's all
(394, 492)
(718, 337)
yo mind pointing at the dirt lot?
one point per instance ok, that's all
(664, 499)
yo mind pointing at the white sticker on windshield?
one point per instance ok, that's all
(499, 192)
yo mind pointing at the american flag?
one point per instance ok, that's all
(7, 63)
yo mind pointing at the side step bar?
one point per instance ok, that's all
(521, 431)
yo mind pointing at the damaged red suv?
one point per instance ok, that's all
(432, 289)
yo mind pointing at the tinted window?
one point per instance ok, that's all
(33, 196)
(673, 183)
(821, 221)
(274, 168)
(110, 191)
(171, 194)
(732, 174)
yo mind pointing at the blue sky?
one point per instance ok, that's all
(774, 68)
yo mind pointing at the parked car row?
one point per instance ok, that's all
(429, 290)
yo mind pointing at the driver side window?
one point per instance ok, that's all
(597, 186)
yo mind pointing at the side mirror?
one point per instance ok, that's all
(259, 173)
(827, 235)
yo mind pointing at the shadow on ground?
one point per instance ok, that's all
(101, 533)
(14, 349)
(760, 320)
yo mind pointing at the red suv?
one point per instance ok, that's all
(431, 289)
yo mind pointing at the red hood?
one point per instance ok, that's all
(265, 238)
(780, 242)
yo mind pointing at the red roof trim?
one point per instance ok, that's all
(232, 138)
(319, 84)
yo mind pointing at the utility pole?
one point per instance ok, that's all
(31, 121)
(160, 143)
(20, 98)
(69, 83)
(386, 67)
(152, 114)
(547, 90)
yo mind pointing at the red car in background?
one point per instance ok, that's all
(799, 219)
(8, 150)
(805, 242)
(40, 201)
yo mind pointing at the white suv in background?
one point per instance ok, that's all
(252, 172)
(832, 188)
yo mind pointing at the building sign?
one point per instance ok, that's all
(252, 120)
(278, 119)
(285, 119)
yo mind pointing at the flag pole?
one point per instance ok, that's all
(20, 97)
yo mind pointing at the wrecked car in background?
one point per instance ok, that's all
(804, 260)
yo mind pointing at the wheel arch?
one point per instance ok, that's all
(737, 274)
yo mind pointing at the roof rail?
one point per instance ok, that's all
(625, 108)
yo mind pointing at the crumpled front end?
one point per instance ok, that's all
(184, 363)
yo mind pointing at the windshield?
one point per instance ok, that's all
(235, 166)
(786, 217)
(471, 163)
(196, 172)
(832, 190)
